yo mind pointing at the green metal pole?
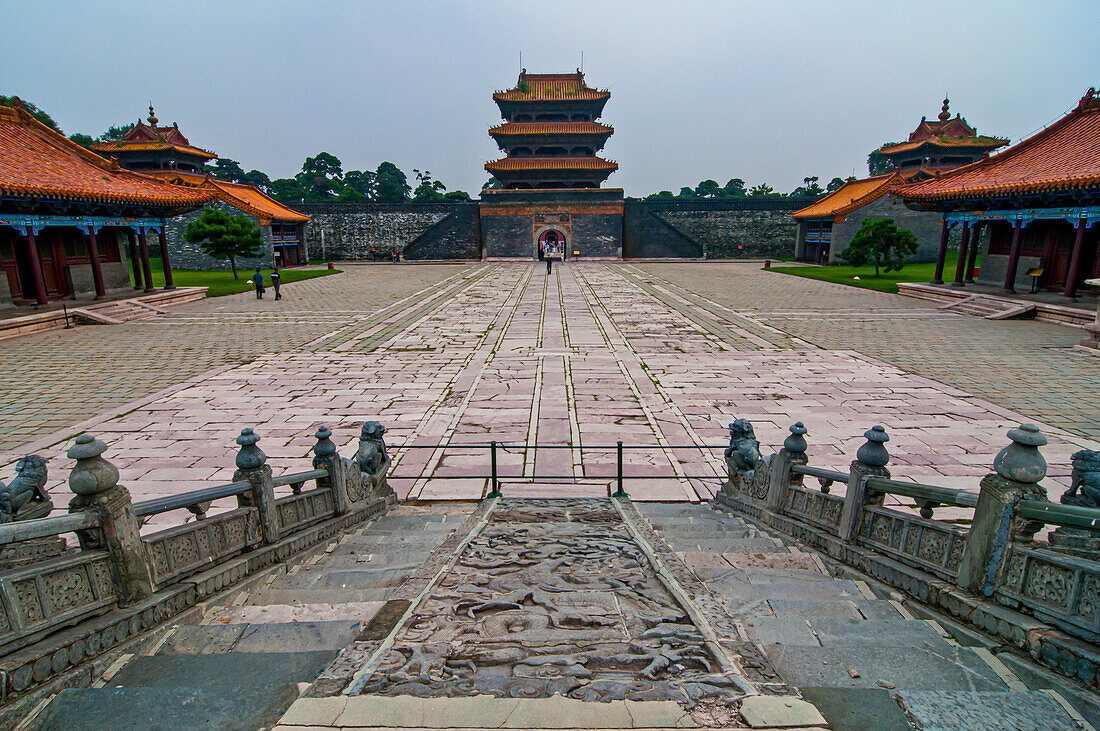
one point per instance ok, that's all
(496, 484)
(620, 492)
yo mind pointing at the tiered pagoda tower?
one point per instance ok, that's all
(936, 147)
(551, 134)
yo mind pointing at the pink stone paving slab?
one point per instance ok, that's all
(583, 358)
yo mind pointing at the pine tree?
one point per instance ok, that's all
(225, 236)
(879, 240)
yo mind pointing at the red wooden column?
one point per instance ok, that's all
(134, 263)
(97, 270)
(1075, 260)
(975, 243)
(960, 266)
(143, 245)
(164, 256)
(1013, 256)
(36, 269)
(942, 255)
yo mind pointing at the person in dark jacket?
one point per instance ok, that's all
(258, 280)
(276, 280)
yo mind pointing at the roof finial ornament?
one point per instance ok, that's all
(152, 117)
(944, 114)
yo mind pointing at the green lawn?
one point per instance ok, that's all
(222, 283)
(885, 282)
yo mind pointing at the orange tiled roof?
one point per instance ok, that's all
(251, 200)
(551, 163)
(127, 146)
(179, 177)
(1064, 156)
(850, 196)
(551, 128)
(36, 162)
(551, 87)
(980, 141)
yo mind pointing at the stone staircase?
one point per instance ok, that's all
(119, 311)
(247, 661)
(991, 308)
(858, 653)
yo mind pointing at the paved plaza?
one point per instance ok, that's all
(660, 356)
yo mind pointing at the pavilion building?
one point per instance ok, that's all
(70, 220)
(826, 227)
(1039, 201)
(550, 179)
(165, 153)
(936, 147)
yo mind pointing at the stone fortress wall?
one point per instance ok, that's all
(724, 229)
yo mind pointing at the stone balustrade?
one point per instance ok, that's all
(1041, 596)
(62, 610)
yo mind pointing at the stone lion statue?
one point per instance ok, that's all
(27, 486)
(743, 453)
(372, 457)
(1084, 487)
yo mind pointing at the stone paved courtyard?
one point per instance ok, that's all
(659, 356)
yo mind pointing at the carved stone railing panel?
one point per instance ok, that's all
(819, 508)
(927, 544)
(298, 511)
(186, 549)
(53, 593)
(1059, 587)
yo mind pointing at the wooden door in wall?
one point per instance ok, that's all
(52, 272)
(1059, 263)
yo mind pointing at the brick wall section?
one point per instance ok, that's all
(352, 229)
(185, 255)
(742, 228)
(926, 225)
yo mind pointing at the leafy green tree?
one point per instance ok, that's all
(114, 132)
(708, 189)
(809, 188)
(686, 192)
(229, 170)
(9, 101)
(877, 163)
(663, 195)
(323, 165)
(360, 182)
(82, 139)
(428, 189)
(492, 184)
(222, 235)
(287, 190)
(879, 240)
(260, 180)
(834, 184)
(390, 184)
(459, 196)
(734, 188)
(761, 190)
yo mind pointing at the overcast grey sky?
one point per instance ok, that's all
(765, 91)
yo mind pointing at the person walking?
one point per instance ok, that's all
(258, 280)
(549, 263)
(276, 280)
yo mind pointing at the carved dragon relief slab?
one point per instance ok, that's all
(552, 597)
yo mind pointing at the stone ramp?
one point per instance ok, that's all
(861, 657)
(247, 662)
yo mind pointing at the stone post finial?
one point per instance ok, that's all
(324, 446)
(92, 474)
(873, 453)
(796, 442)
(95, 482)
(250, 457)
(1021, 461)
(252, 467)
